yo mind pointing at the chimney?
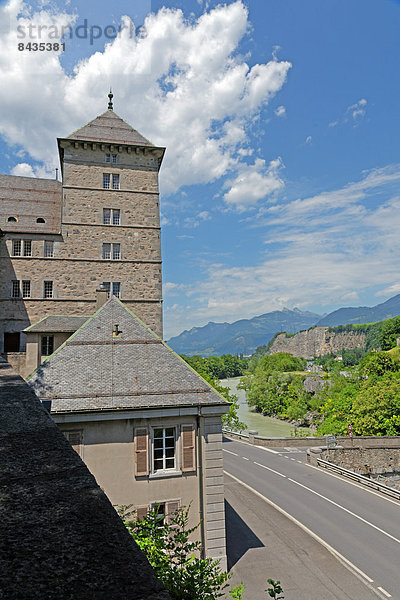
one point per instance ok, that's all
(101, 296)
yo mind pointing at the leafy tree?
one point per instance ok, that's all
(336, 400)
(376, 407)
(375, 364)
(174, 557)
(389, 333)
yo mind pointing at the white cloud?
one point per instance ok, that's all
(24, 170)
(328, 249)
(353, 113)
(184, 85)
(280, 111)
(253, 183)
(357, 110)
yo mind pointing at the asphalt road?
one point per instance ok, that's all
(360, 524)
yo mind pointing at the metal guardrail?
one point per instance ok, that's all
(241, 436)
(381, 487)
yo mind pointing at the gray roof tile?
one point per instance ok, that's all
(60, 537)
(57, 323)
(93, 370)
(109, 127)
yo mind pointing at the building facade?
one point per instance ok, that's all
(147, 425)
(101, 225)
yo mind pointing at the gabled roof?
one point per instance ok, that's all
(109, 127)
(60, 537)
(96, 370)
(57, 324)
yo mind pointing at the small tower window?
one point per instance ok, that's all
(40, 220)
(11, 220)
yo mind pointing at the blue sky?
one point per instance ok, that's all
(280, 186)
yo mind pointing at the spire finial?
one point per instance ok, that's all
(110, 102)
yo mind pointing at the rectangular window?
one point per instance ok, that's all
(26, 289)
(27, 247)
(16, 247)
(106, 181)
(48, 289)
(163, 448)
(107, 251)
(47, 346)
(15, 289)
(116, 251)
(108, 158)
(111, 216)
(107, 285)
(115, 182)
(114, 158)
(115, 216)
(106, 216)
(48, 249)
(111, 251)
(111, 158)
(113, 287)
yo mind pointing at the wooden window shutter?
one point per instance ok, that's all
(170, 508)
(142, 451)
(75, 439)
(141, 512)
(188, 448)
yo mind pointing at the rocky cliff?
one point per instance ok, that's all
(317, 341)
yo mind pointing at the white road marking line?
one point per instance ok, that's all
(244, 458)
(358, 485)
(229, 452)
(269, 469)
(267, 449)
(292, 459)
(348, 511)
(352, 567)
(385, 592)
(300, 461)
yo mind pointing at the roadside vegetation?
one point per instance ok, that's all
(171, 548)
(215, 368)
(360, 387)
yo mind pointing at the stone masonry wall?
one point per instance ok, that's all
(77, 267)
(317, 341)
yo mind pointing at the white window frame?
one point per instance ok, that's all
(111, 251)
(106, 181)
(111, 158)
(27, 244)
(164, 469)
(115, 181)
(111, 215)
(15, 288)
(46, 295)
(17, 247)
(26, 288)
(111, 288)
(48, 250)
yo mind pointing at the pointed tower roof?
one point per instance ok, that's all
(109, 128)
(115, 362)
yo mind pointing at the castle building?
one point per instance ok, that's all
(146, 425)
(101, 226)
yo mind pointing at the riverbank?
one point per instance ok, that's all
(266, 426)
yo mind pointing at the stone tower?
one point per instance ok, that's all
(59, 243)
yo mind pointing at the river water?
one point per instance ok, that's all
(266, 426)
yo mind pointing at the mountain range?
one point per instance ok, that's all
(243, 336)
